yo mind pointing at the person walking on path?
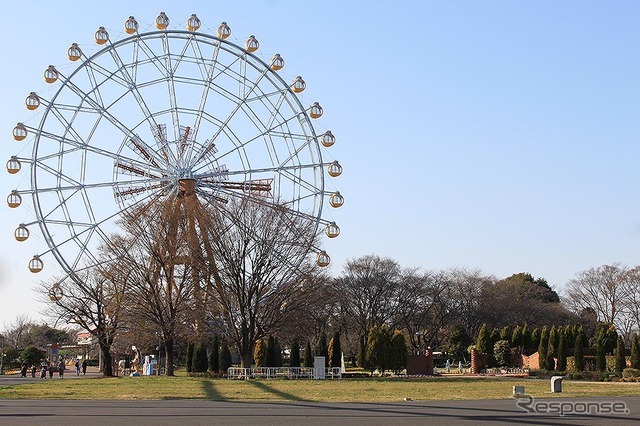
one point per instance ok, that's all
(23, 370)
(61, 369)
(84, 367)
(77, 367)
(50, 371)
(33, 371)
(43, 371)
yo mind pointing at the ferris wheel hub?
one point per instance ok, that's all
(194, 115)
(187, 186)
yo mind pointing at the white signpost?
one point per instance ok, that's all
(318, 367)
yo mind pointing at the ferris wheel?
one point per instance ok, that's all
(159, 112)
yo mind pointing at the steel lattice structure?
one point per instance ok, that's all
(156, 113)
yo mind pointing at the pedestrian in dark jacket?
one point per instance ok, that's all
(61, 369)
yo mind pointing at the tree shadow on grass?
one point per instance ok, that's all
(211, 392)
(284, 395)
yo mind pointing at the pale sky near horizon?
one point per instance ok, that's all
(499, 135)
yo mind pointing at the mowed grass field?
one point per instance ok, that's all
(345, 390)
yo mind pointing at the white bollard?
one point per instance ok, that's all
(518, 390)
(556, 384)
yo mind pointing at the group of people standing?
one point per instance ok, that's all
(48, 367)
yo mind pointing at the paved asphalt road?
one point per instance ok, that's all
(200, 412)
(204, 412)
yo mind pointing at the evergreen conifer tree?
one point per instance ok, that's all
(278, 352)
(482, 344)
(569, 338)
(526, 338)
(270, 358)
(505, 334)
(260, 353)
(601, 360)
(635, 352)
(550, 362)
(516, 338)
(494, 337)
(308, 355)
(189, 360)
(621, 360)
(379, 348)
(578, 352)
(562, 353)
(200, 360)
(399, 351)
(294, 359)
(225, 357)
(542, 347)
(362, 351)
(535, 339)
(214, 356)
(321, 348)
(335, 351)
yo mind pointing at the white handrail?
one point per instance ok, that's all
(281, 372)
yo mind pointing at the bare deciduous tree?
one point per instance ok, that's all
(601, 289)
(369, 291)
(18, 333)
(92, 301)
(258, 283)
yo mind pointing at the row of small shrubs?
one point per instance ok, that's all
(631, 375)
(628, 375)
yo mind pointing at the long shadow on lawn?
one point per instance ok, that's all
(210, 391)
(283, 395)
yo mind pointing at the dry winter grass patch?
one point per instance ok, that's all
(346, 390)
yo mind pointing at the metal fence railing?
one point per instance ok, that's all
(284, 373)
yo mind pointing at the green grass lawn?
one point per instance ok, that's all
(345, 390)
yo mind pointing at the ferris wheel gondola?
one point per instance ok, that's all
(156, 114)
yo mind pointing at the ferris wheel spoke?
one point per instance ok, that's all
(75, 108)
(213, 199)
(94, 82)
(207, 72)
(151, 56)
(95, 162)
(68, 127)
(241, 101)
(302, 183)
(102, 110)
(109, 76)
(136, 145)
(59, 176)
(295, 154)
(131, 80)
(241, 145)
(134, 186)
(166, 71)
(77, 223)
(256, 171)
(275, 107)
(97, 224)
(278, 253)
(264, 185)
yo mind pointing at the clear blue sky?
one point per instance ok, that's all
(500, 135)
